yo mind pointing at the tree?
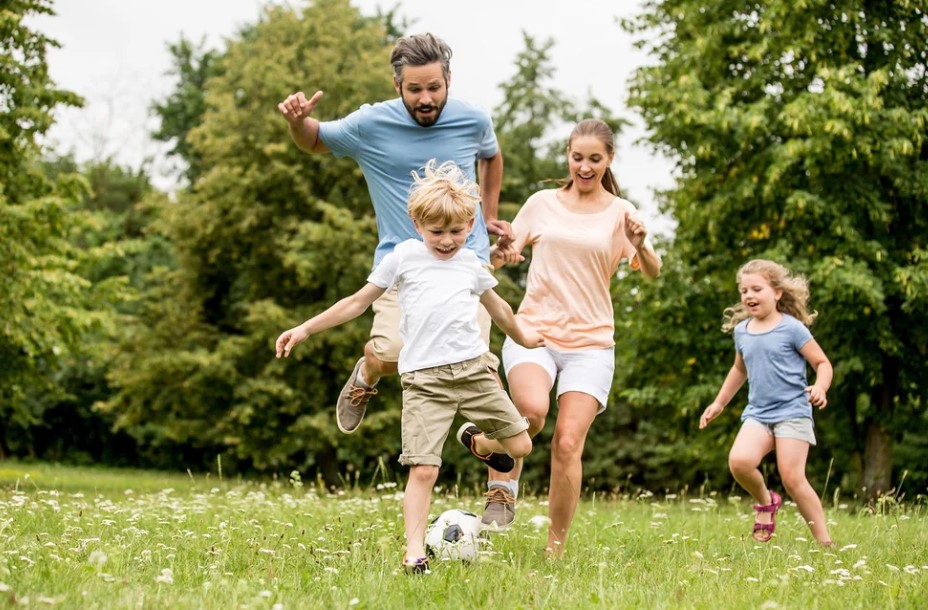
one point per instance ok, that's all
(801, 134)
(185, 106)
(47, 304)
(264, 237)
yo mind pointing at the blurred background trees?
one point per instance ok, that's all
(137, 326)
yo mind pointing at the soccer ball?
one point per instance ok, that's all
(453, 535)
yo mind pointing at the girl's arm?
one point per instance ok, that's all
(824, 373)
(501, 313)
(737, 375)
(346, 309)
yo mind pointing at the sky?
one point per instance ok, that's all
(114, 53)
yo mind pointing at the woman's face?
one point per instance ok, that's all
(588, 161)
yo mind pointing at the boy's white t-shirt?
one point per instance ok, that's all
(438, 304)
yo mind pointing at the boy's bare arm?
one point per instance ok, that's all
(502, 314)
(344, 310)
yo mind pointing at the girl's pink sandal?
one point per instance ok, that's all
(763, 531)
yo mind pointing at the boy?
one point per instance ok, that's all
(444, 365)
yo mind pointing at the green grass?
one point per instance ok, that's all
(90, 538)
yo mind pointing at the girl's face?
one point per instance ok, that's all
(444, 240)
(588, 161)
(758, 296)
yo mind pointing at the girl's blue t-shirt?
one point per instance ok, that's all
(389, 145)
(776, 371)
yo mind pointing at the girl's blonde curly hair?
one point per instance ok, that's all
(794, 298)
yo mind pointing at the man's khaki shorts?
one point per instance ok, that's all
(432, 397)
(385, 332)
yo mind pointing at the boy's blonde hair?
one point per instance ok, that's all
(442, 196)
(794, 299)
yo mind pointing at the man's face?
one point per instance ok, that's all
(424, 92)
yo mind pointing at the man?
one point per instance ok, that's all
(389, 140)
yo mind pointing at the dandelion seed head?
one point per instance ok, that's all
(97, 558)
(166, 577)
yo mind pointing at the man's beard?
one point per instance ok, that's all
(426, 121)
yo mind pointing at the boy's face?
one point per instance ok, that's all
(444, 240)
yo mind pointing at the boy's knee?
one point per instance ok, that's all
(519, 446)
(423, 474)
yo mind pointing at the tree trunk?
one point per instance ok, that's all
(878, 462)
(878, 458)
(327, 464)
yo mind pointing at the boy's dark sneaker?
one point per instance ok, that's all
(416, 566)
(497, 461)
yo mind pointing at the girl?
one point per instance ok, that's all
(579, 234)
(772, 345)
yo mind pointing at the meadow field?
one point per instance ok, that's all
(94, 538)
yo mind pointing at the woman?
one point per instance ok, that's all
(579, 235)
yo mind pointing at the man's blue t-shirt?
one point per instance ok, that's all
(776, 371)
(389, 145)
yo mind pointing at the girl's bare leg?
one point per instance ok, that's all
(749, 449)
(791, 462)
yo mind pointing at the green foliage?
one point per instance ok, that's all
(184, 108)
(27, 98)
(801, 134)
(50, 302)
(266, 237)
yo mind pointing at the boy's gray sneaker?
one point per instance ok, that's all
(499, 511)
(352, 402)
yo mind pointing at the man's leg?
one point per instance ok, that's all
(379, 360)
(530, 389)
